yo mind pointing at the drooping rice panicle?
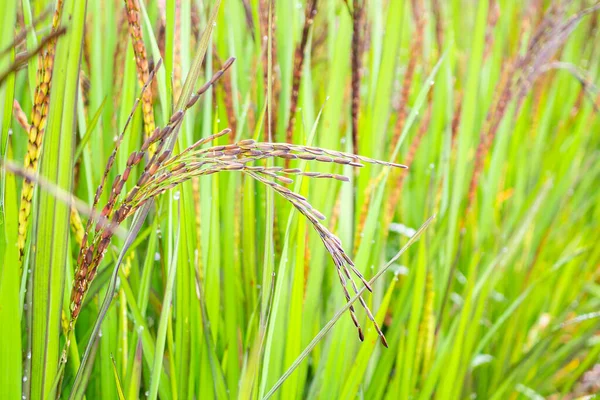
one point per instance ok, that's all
(193, 162)
(166, 171)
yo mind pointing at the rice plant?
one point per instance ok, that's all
(325, 199)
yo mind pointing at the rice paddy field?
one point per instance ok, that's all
(308, 199)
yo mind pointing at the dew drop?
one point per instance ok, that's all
(176, 195)
(156, 256)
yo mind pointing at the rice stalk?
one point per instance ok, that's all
(415, 48)
(456, 118)
(119, 58)
(177, 52)
(267, 23)
(412, 151)
(249, 20)
(225, 84)
(357, 21)
(436, 8)
(309, 17)
(141, 61)
(364, 211)
(198, 221)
